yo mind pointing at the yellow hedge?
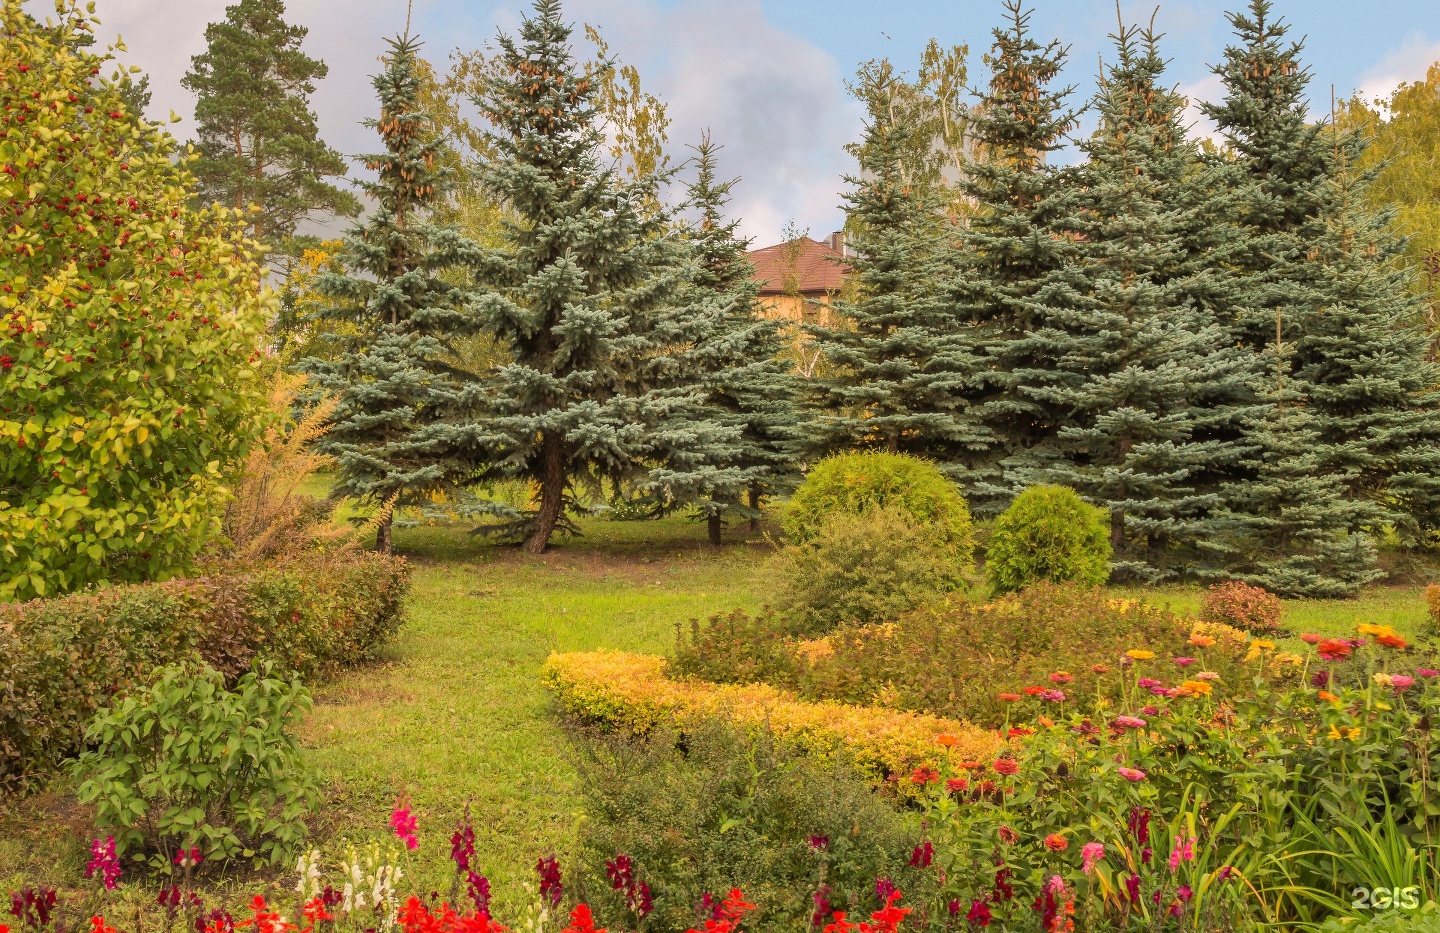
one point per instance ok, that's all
(631, 691)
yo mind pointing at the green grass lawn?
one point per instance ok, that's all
(455, 713)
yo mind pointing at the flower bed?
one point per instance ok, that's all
(631, 691)
(61, 659)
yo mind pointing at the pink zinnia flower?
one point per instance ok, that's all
(1091, 852)
(1147, 683)
(1184, 662)
(1054, 696)
(1310, 638)
(1130, 722)
(1401, 682)
(1206, 675)
(1133, 775)
(404, 823)
(1428, 673)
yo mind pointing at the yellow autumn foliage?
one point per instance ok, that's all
(631, 691)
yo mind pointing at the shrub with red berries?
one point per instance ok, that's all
(129, 328)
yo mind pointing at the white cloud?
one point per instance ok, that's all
(774, 100)
(1208, 90)
(1410, 62)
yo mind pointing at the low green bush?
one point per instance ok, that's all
(856, 483)
(713, 809)
(860, 569)
(736, 648)
(1048, 533)
(62, 659)
(955, 660)
(185, 763)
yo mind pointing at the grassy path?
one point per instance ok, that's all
(458, 714)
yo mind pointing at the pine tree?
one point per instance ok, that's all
(581, 294)
(1160, 406)
(255, 131)
(1364, 357)
(394, 378)
(1321, 303)
(750, 386)
(898, 365)
(1284, 526)
(1019, 285)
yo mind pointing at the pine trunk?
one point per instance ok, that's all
(384, 543)
(755, 507)
(552, 491)
(1117, 530)
(714, 526)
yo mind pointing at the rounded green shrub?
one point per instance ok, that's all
(1048, 533)
(860, 569)
(856, 483)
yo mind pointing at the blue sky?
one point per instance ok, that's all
(767, 76)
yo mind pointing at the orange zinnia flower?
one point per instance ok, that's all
(947, 740)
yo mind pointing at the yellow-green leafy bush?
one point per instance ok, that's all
(129, 329)
(1048, 533)
(856, 483)
(865, 568)
(61, 659)
(630, 691)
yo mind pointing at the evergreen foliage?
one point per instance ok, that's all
(750, 387)
(898, 361)
(581, 294)
(1354, 422)
(1156, 415)
(1019, 287)
(394, 377)
(254, 128)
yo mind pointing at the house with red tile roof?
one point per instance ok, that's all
(800, 279)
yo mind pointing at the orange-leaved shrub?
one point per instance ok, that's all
(1249, 608)
(618, 690)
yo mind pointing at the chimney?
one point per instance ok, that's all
(836, 241)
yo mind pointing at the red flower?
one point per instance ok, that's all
(924, 775)
(956, 785)
(1005, 766)
(1056, 842)
(314, 910)
(1034, 691)
(1011, 697)
(979, 913)
(97, 925)
(581, 921)
(1391, 640)
(735, 905)
(838, 923)
(1334, 649)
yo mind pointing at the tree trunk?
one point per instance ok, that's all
(1117, 529)
(755, 507)
(552, 492)
(714, 526)
(384, 543)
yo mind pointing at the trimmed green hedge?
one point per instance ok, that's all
(61, 659)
